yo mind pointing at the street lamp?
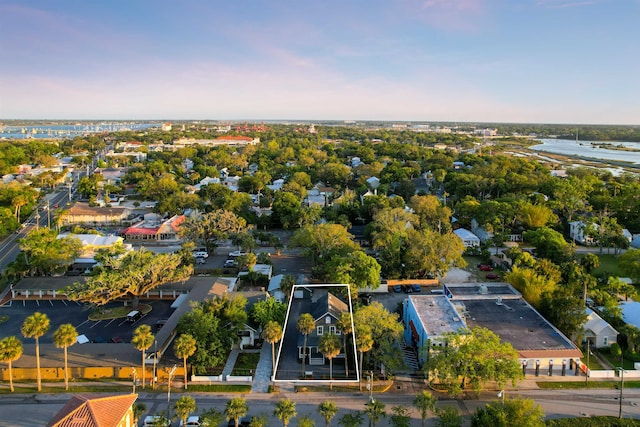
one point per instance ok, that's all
(501, 394)
(134, 375)
(621, 369)
(586, 370)
(171, 372)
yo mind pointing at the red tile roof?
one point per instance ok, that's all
(85, 411)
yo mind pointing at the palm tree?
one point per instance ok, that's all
(364, 343)
(10, 351)
(351, 419)
(236, 408)
(259, 421)
(185, 347)
(36, 326)
(285, 410)
(328, 410)
(18, 202)
(305, 325)
(142, 340)
(425, 402)
(344, 325)
(329, 345)
(64, 337)
(183, 407)
(374, 410)
(272, 333)
(306, 421)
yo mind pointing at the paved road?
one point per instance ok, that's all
(32, 410)
(9, 249)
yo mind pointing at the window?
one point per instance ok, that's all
(606, 341)
(327, 320)
(332, 330)
(320, 330)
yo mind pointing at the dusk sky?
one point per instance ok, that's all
(543, 61)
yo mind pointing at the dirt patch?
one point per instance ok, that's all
(458, 275)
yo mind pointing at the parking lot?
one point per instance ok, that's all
(60, 312)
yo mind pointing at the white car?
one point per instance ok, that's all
(235, 254)
(155, 421)
(192, 421)
(201, 254)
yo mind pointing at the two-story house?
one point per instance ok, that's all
(325, 312)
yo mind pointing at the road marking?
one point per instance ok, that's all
(95, 324)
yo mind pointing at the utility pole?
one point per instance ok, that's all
(48, 215)
(621, 386)
(586, 371)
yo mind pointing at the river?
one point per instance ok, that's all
(587, 149)
(68, 131)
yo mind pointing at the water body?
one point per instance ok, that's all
(68, 131)
(587, 149)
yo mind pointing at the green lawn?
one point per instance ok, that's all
(246, 363)
(608, 264)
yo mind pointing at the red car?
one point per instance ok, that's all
(485, 267)
(493, 276)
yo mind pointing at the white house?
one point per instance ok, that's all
(469, 239)
(598, 331)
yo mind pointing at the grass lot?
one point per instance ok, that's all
(583, 384)
(608, 264)
(246, 364)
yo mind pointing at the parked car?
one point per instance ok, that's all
(493, 276)
(200, 260)
(397, 289)
(201, 254)
(485, 267)
(230, 263)
(134, 316)
(235, 254)
(116, 340)
(407, 289)
(365, 299)
(155, 420)
(192, 421)
(160, 323)
(415, 288)
(242, 422)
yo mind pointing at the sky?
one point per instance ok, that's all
(524, 61)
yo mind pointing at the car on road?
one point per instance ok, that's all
(230, 263)
(415, 288)
(485, 267)
(160, 323)
(492, 276)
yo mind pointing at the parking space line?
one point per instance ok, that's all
(38, 302)
(86, 321)
(64, 302)
(51, 302)
(95, 324)
(109, 322)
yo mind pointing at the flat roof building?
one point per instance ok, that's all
(494, 306)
